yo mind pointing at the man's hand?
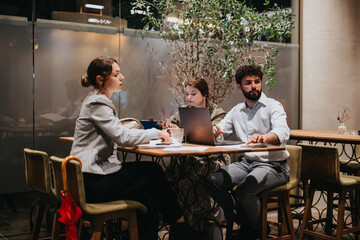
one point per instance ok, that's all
(265, 138)
(164, 137)
(217, 131)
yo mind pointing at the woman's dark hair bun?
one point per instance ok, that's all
(100, 66)
(85, 81)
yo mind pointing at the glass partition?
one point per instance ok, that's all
(41, 93)
(145, 91)
(16, 108)
(62, 57)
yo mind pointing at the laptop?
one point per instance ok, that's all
(198, 128)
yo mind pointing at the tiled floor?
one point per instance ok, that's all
(15, 217)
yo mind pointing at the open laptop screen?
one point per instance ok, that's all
(197, 125)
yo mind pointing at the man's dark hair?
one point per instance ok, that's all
(248, 70)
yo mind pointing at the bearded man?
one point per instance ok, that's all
(258, 119)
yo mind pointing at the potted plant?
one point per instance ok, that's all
(212, 38)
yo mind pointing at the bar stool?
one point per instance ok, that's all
(282, 193)
(321, 166)
(38, 178)
(95, 213)
(351, 166)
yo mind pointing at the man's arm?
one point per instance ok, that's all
(225, 125)
(280, 131)
(279, 123)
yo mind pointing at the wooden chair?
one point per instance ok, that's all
(351, 166)
(282, 193)
(38, 178)
(96, 213)
(320, 166)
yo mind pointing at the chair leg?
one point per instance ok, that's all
(55, 227)
(38, 220)
(264, 202)
(308, 195)
(133, 230)
(306, 208)
(281, 217)
(329, 213)
(109, 226)
(80, 228)
(340, 218)
(356, 208)
(96, 227)
(287, 213)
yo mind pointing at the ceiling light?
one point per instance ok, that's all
(94, 6)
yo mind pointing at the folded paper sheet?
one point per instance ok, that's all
(158, 144)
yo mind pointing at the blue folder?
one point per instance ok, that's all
(150, 124)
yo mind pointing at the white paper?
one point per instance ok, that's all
(158, 144)
(186, 148)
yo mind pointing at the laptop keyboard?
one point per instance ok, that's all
(228, 142)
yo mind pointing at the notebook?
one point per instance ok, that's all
(198, 128)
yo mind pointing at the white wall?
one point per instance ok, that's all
(330, 62)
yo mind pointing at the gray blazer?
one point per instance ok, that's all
(98, 132)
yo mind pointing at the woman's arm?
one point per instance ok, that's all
(109, 124)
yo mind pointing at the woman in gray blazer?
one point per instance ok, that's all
(98, 132)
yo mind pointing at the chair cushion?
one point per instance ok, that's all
(287, 186)
(106, 207)
(348, 180)
(352, 164)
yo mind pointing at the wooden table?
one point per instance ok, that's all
(157, 154)
(183, 161)
(160, 152)
(323, 136)
(349, 145)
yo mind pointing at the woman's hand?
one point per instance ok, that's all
(164, 137)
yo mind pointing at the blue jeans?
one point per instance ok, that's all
(252, 178)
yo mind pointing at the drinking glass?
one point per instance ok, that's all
(177, 134)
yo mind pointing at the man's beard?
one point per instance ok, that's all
(252, 97)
